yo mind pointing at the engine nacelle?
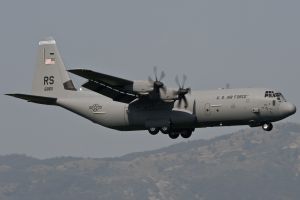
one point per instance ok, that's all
(146, 88)
(142, 87)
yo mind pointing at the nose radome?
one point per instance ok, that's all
(289, 108)
(294, 109)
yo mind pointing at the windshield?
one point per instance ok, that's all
(269, 94)
(279, 97)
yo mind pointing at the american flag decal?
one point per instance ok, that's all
(50, 61)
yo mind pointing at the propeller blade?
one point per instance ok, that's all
(194, 108)
(183, 80)
(162, 75)
(155, 72)
(150, 79)
(185, 102)
(177, 81)
(179, 103)
(181, 92)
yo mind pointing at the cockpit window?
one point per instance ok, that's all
(279, 96)
(269, 94)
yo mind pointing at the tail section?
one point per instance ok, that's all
(51, 78)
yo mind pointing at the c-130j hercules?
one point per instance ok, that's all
(128, 105)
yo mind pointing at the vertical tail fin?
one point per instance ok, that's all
(51, 78)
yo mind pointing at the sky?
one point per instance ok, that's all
(214, 42)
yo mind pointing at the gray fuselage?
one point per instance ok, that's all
(222, 107)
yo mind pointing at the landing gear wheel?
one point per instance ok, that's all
(173, 135)
(267, 126)
(153, 131)
(186, 133)
(165, 130)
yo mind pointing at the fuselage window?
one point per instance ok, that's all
(274, 102)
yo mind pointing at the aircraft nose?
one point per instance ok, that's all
(289, 108)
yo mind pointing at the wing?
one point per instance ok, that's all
(102, 78)
(116, 95)
(113, 87)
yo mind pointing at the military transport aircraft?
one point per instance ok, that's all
(128, 105)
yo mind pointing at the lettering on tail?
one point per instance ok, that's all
(48, 81)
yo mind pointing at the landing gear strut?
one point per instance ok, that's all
(267, 126)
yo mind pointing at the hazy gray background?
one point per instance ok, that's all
(245, 43)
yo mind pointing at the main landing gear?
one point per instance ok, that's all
(267, 126)
(173, 133)
(153, 131)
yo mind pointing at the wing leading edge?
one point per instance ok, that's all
(102, 78)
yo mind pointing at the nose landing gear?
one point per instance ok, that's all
(267, 126)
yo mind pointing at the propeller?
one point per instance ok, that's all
(157, 83)
(181, 92)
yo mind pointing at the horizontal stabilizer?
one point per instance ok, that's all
(35, 99)
(102, 78)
